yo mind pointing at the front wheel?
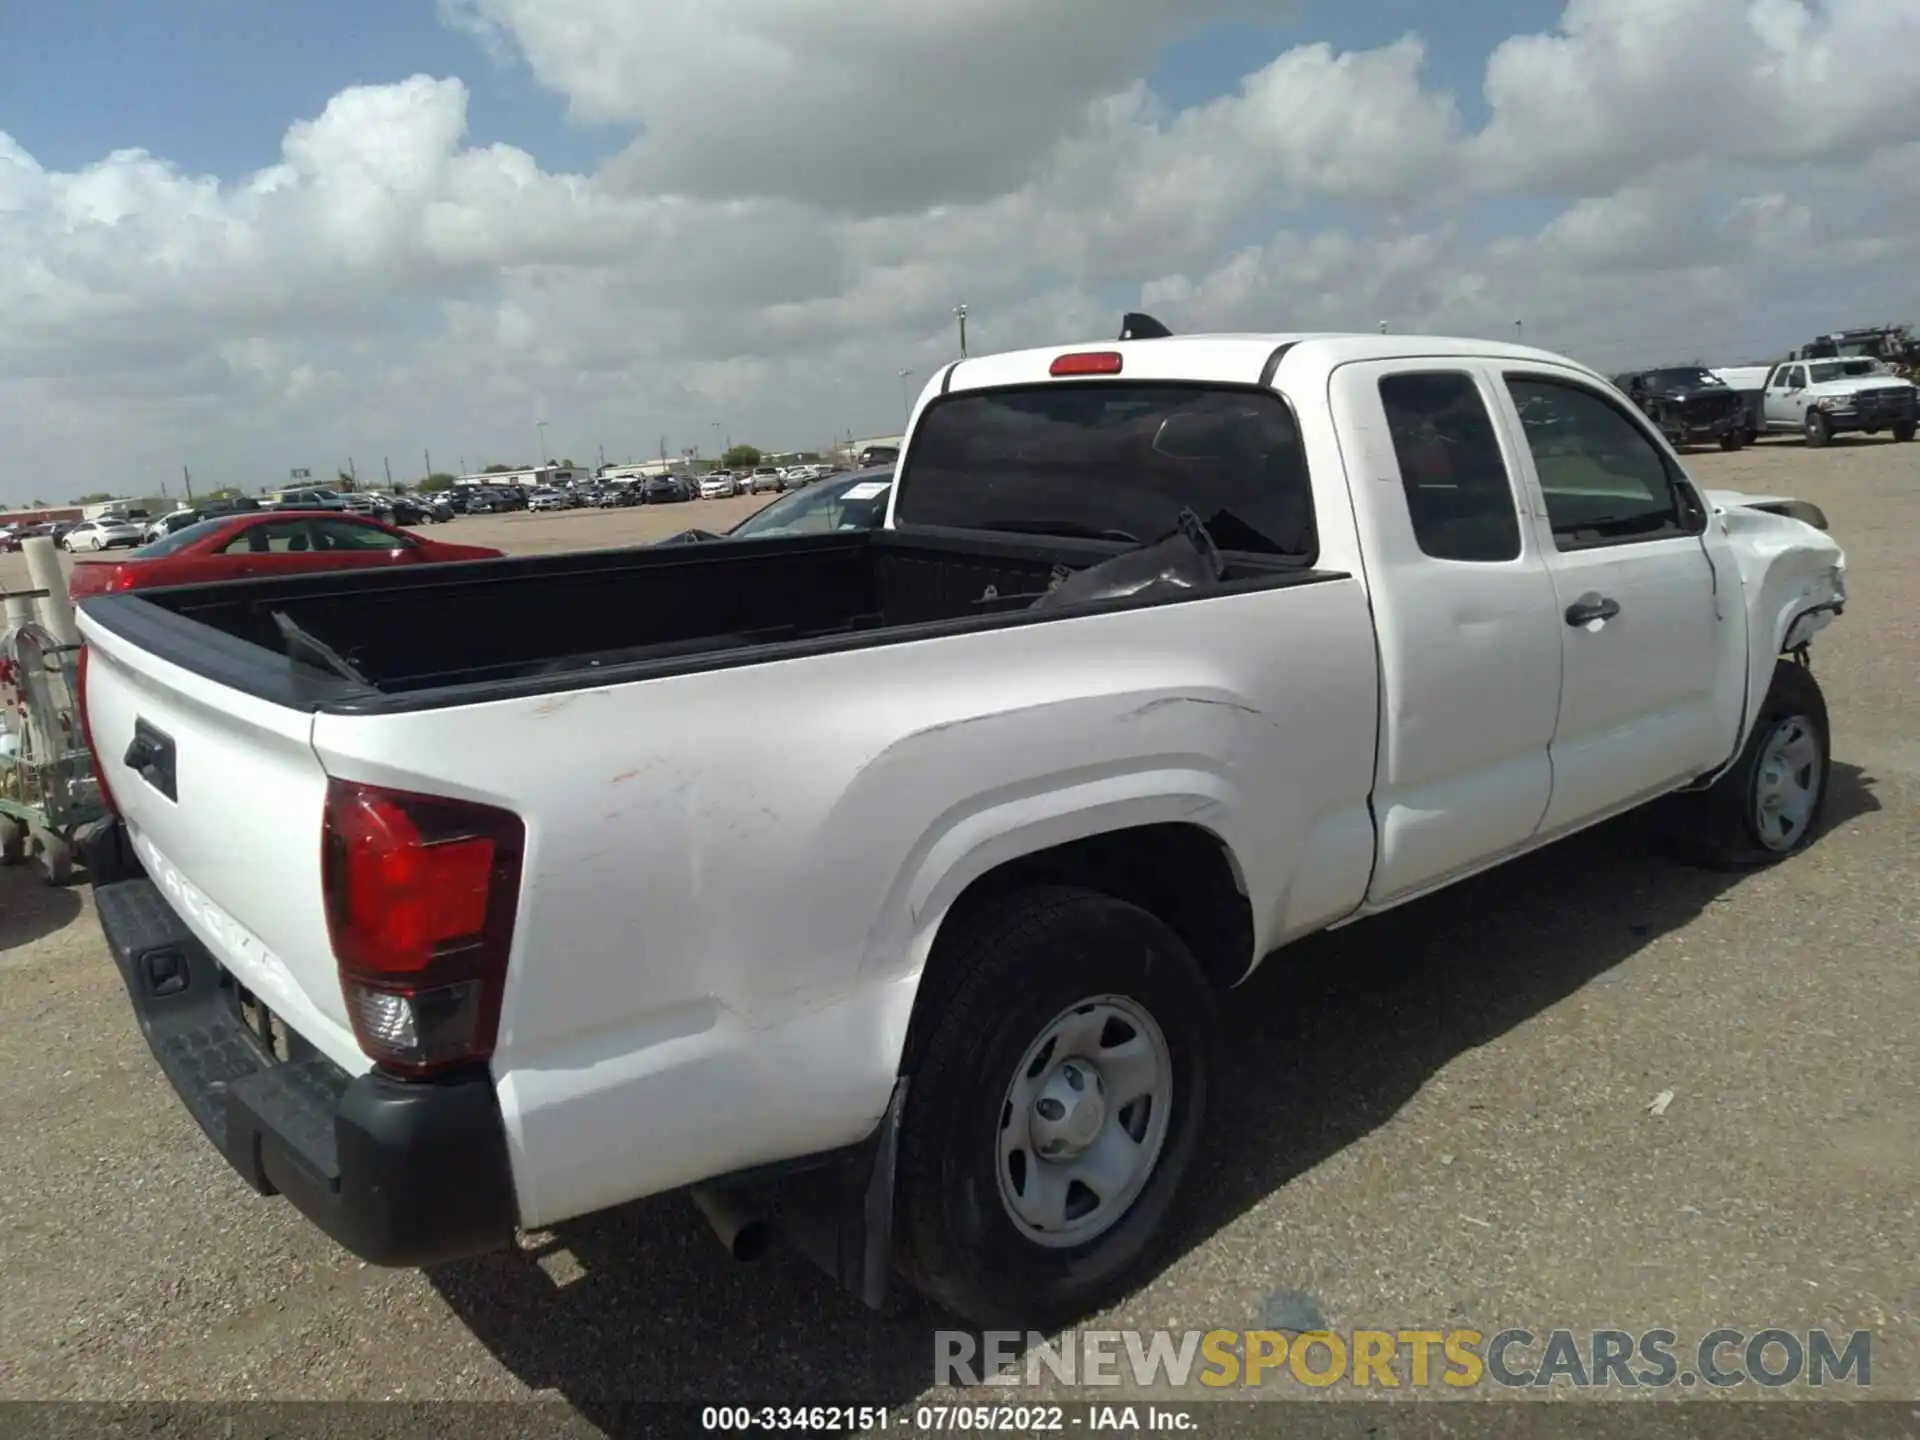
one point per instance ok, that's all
(1733, 439)
(1055, 1100)
(1768, 806)
(1903, 432)
(1819, 429)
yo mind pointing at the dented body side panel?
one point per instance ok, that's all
(722, 924)
(1792, 581)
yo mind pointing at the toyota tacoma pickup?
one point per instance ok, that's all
(1170, 652)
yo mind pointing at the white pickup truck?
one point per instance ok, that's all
(442, 938)
(1822, 398)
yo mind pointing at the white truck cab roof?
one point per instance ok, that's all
(1243, 358)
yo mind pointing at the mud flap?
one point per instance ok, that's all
(841, 1216)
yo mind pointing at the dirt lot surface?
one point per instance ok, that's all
(1439, 1118)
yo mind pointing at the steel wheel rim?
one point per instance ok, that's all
(1786, 783)
(1084, 1121)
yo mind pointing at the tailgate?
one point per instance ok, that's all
(225, 813)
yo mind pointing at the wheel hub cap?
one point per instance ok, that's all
(1084, 1120)
(1070, 1111)
(1786, 785)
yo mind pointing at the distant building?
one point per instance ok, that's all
(621, 474)
(45, 515)
(535, 475)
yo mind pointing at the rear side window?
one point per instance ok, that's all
(1459, 495)
(345, 535)
(178, 540)
(1113, 461)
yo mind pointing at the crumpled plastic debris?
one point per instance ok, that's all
(1185, 560)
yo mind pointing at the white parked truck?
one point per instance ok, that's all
(1171, 652)
(1822, 398)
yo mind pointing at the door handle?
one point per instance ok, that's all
(1591, 607)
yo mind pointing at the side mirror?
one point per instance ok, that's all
(1693, 509)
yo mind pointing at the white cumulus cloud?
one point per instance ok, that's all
(811, 185)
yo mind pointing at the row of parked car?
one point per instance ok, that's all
(641, 490)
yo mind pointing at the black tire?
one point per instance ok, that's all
(1819, 430)
(1733, 439)
(13, 841)
(1903, 432)
(1001, 977)
(1724, 827)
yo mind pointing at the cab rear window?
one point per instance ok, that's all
(1113, 461)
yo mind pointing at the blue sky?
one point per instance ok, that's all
(212, 84)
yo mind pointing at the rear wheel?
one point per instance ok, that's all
(1733, 439)
(1055, 1100)
(1903, 432)
(1819, 430)
(1767, 806)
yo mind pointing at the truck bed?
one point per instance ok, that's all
(448, 635)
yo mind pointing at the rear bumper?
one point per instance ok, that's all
(399, 1172)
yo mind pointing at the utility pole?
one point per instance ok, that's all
(906, 399)
(603, 457)
(385, 464)
(353, 475)
(541, 426)
(187, 476)
(429, 455)
(1519, 333)
(960, 314)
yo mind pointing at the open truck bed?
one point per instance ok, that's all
(379, 642)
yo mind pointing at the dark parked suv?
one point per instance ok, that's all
(1690, 404)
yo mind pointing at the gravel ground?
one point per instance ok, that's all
(1438, 1118)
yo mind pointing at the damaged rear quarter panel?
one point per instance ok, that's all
(733, 877)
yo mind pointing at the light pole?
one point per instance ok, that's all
(906, 399)
(960, 314)
(1519, 333)
(541, 426)
(718, 452)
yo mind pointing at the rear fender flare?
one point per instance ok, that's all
(967, 845)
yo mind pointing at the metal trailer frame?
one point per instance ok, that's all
(49, 793)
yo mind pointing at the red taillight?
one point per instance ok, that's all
(86, 730)
(1087, 362)
(421, 893)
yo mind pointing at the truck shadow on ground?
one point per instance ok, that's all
(30, 908)
(641, 1304)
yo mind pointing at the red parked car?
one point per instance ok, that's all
(266, 542)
